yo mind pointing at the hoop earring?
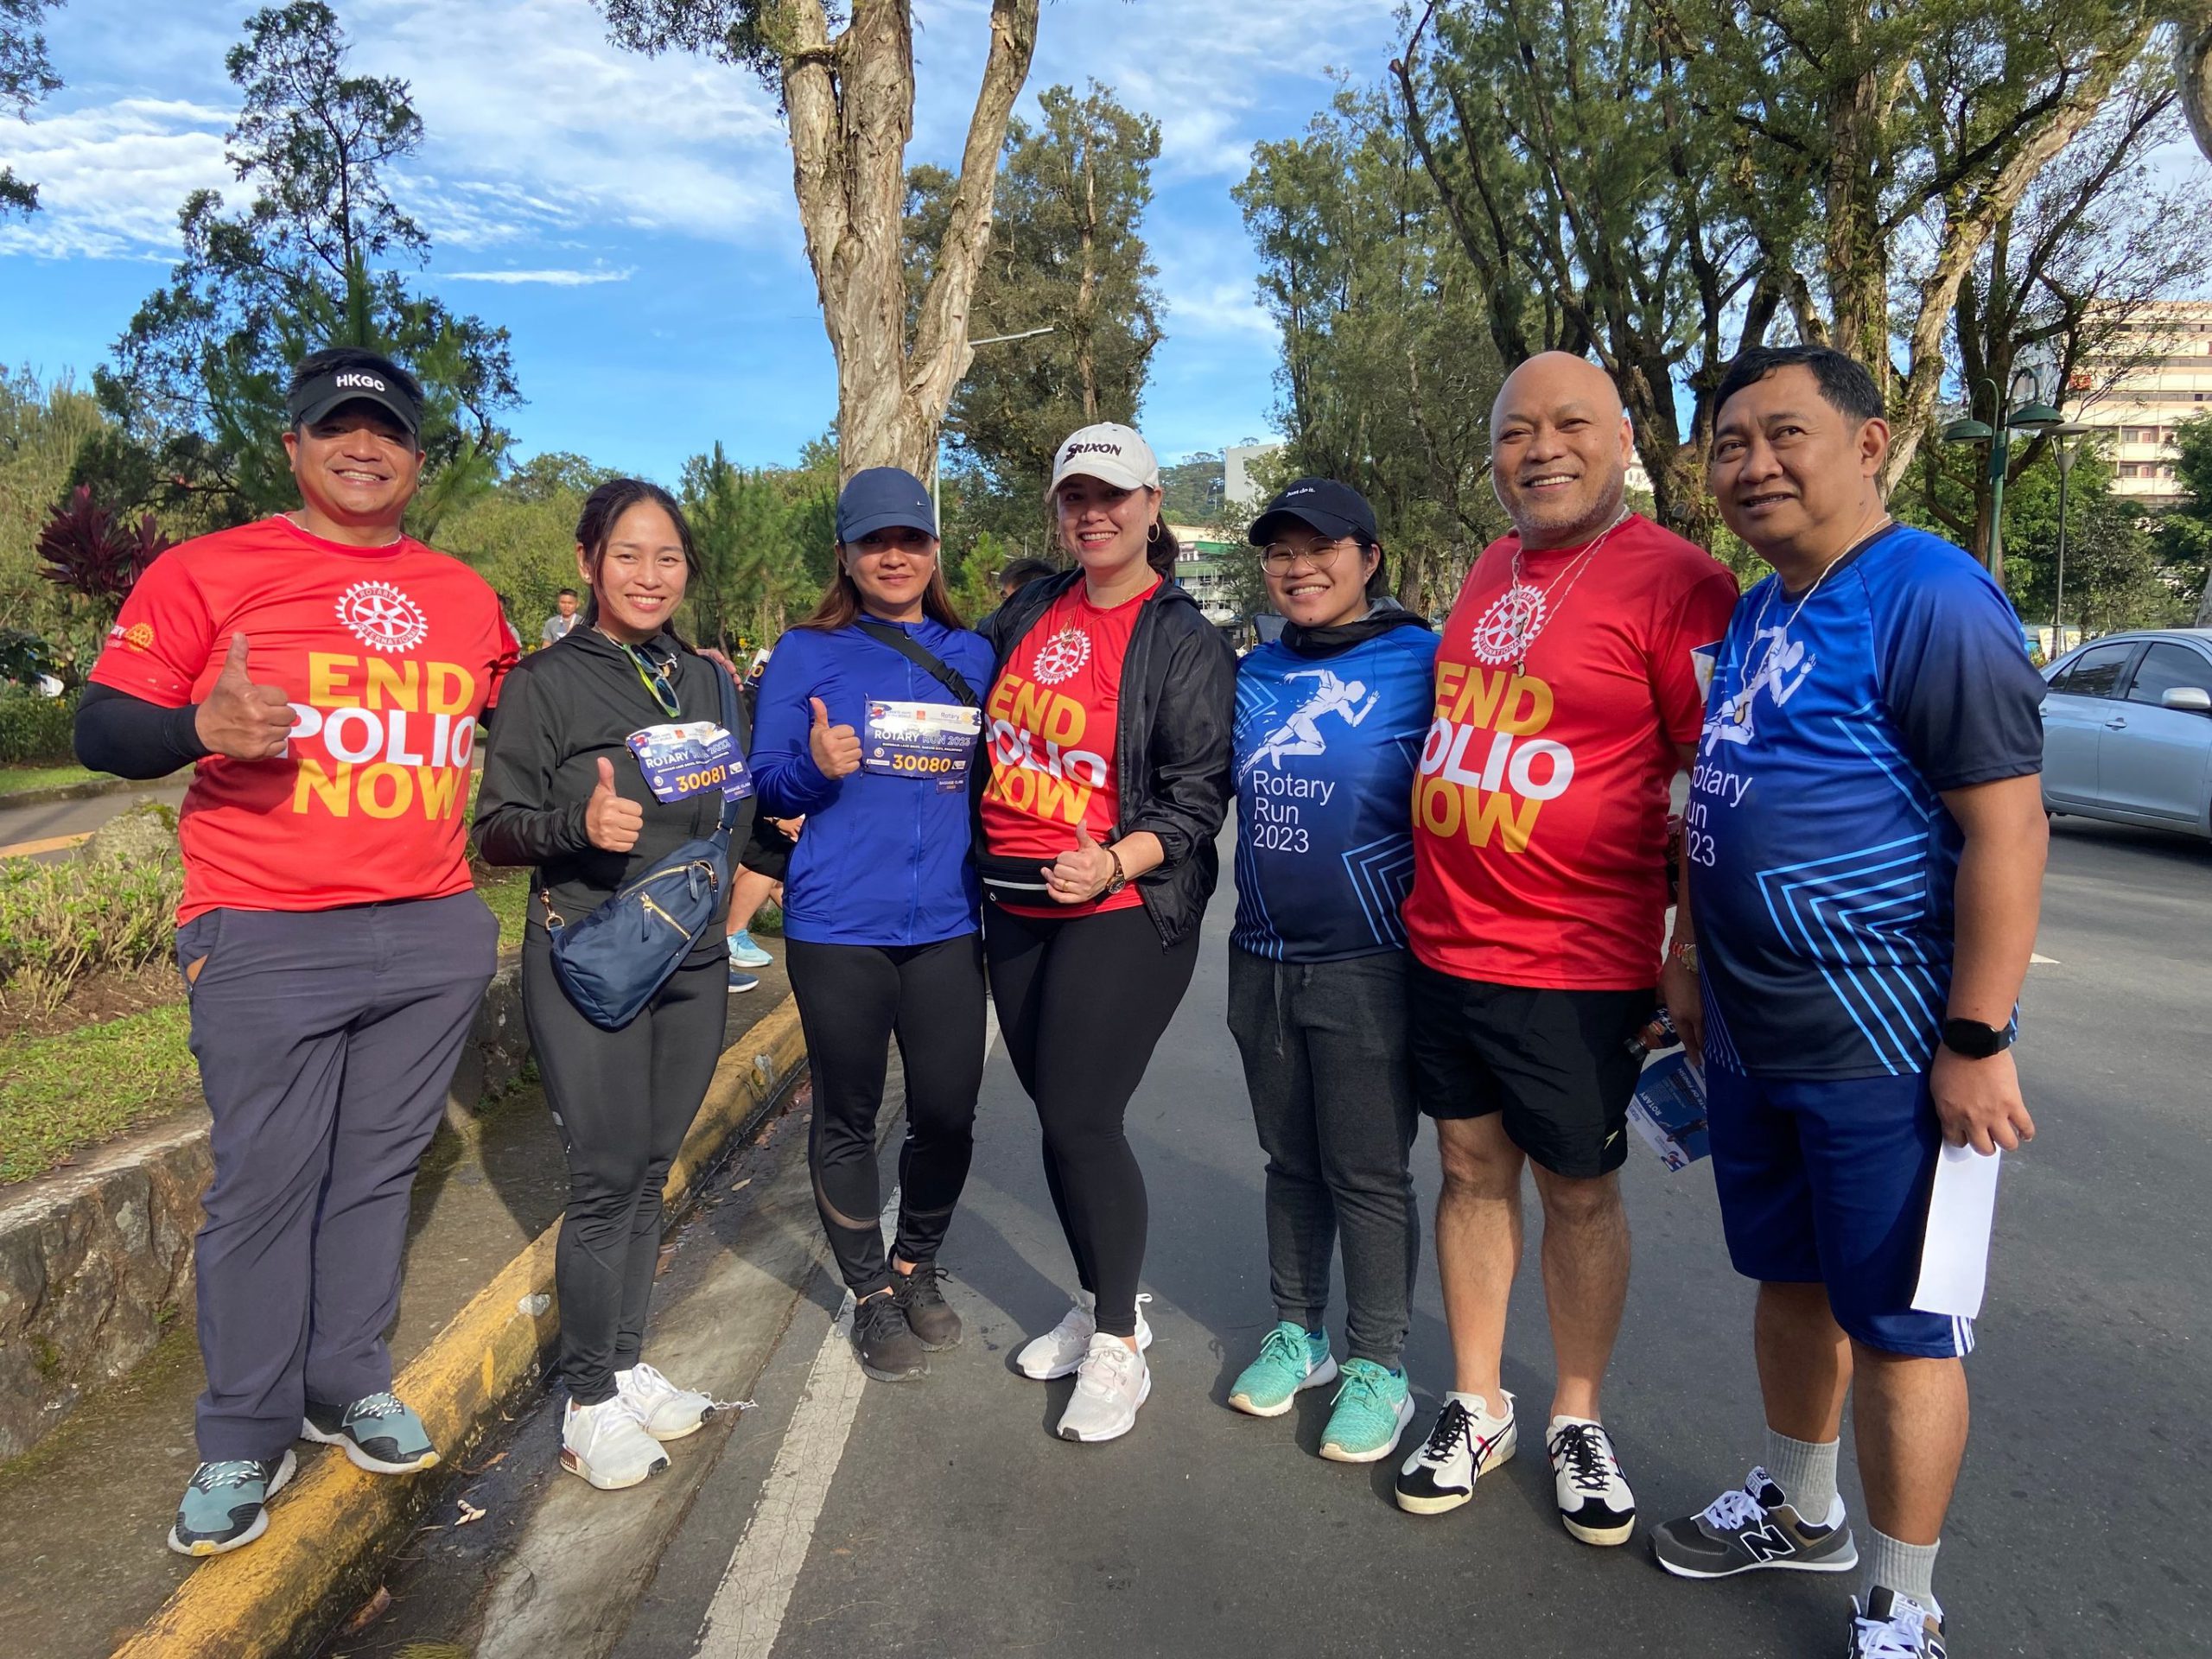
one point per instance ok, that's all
(1152, 535)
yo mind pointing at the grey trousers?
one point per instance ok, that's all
(1325, 1060)
(325, 1042)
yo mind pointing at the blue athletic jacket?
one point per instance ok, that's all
(882, 860)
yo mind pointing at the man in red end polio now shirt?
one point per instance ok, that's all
(328, 675)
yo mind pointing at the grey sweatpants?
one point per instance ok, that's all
(326, 1041)
(1325, 1060)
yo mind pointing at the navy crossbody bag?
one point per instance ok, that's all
(613, 962)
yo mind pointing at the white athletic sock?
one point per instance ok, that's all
(1905, 1569)
(1806, 1471)
(1479, 1410)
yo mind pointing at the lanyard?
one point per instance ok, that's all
(655, 679)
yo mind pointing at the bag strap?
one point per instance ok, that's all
(922, 658)
(728, 688)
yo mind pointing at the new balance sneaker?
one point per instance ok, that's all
(1751, 1528)
(1291, 1360)
(1111, 1384)
(1440, 1475)
(740, 982)
(1893, 1625)
(889, 1349)
(1594, 1501)
(1060, 1349)
(607, 1446)
(380, 1432)
(227, 1504)
(1370, 1415)
(928, 1315)
(665, 1411)
(743, 953)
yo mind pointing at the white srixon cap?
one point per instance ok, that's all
(1110, 452)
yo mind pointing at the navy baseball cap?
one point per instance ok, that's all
(882, 498)
(354, 382)
(1320, 503)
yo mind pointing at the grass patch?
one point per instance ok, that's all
(17, 780)
(62, 1092)
(506, 888)
(60, 923)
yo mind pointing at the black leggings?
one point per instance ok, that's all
(623, 1101)
(1081, 1002)
(853, 999)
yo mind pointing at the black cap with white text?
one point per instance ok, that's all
(1320, 503)
(354, 384)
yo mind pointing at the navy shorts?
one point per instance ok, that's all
(1827, 1182)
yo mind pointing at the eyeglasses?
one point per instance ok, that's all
(1281, 555)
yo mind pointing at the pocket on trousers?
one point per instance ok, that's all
(196, 948)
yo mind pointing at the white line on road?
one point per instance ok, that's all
(2047, 961)
(747, 1614)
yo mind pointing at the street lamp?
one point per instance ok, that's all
(2023, 410)
(2067, 457)
(936, 456)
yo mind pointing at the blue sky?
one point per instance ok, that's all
(630, 219)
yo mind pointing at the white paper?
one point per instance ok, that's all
(1954, 1255)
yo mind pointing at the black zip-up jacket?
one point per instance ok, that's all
(560, 710)
(1172, 745)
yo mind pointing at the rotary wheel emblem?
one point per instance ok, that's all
(1059, 657)
(1503, 631)
(382, 617)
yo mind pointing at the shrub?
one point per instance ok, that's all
(35, 730)
(61, 922)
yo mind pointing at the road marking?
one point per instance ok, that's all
(2047, 961)
(51, 844)
(746, 1615)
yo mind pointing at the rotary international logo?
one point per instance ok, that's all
(139, 636)
(1501, 631)
(382, 617)
(1061, 656)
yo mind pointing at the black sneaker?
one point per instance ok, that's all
(889, 1349)
(927, 1311)
(226, 1504)
(380, 1433)
(1891, 1625)
(1752, 1528)
(1594, 1499)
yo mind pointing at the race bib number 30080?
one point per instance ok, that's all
(683, 760)
(931, 741)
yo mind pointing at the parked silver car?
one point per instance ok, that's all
(2127, 730)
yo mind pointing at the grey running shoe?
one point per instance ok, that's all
(889, 1349)
(380, 1433)
(1751, 1527)
(927, 1311)
(1893, 1626)
(226, 1504)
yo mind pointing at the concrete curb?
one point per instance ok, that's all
(254, 1603)
(52, 794)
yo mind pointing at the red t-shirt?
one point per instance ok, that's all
(1540, 810)
(1053, 714)
(388, 656)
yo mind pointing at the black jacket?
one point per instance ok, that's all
(1172, 745)
(560, 710)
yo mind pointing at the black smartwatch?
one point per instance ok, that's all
(1973, 1040)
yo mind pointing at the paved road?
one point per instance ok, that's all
(951, 1522)
(30, 825)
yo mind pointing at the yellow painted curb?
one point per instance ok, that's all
(50, 844)
(253, 1603)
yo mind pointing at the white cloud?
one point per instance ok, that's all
(111, 177)
(1226, 307)
(551, 278)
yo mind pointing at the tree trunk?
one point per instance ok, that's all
(1086, 295)
(2193, 71)
(851, 107)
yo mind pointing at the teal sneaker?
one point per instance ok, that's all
(1290, 1360)
(745, 954)
(1371, 1411)
(225, 1505)
(380, 1432)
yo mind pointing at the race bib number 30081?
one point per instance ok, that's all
(683, 760)
(934, 741)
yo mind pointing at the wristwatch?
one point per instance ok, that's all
(1973, 1040)
(1118, 880)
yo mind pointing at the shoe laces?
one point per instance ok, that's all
(1737, 1508)
(878, 1314)
(645, 1382)
(232, 1471)
(1106, 1367)
(1454, 1425)
(376, 1407)
(1588, 1454)
(1286, 1344)
(1364, 1388)
(1904, 1635)
(921, 1284)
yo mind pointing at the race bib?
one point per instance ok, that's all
(683, 760)
(932, 741)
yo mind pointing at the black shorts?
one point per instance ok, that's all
(1555, 1062)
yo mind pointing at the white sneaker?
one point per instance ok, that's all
(607, 1446)
(667, 1412)
(1060, 1349)
(1462, 1447)
(1594, 1499)
(1111, 1382)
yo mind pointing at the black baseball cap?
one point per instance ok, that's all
(880, 498)
(1320, 503)
(314, 398)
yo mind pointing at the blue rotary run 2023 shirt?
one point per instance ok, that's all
(1326, 748)
(1823, 860)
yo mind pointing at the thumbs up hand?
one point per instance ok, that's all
(1078, 876)
(239, 718)
(612, 823)
(836, 749)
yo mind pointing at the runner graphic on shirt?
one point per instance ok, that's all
(1782, 667)
(1301, 732)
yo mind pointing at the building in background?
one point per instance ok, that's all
(2136, 392)
(1240, 488)
(1203, 572)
